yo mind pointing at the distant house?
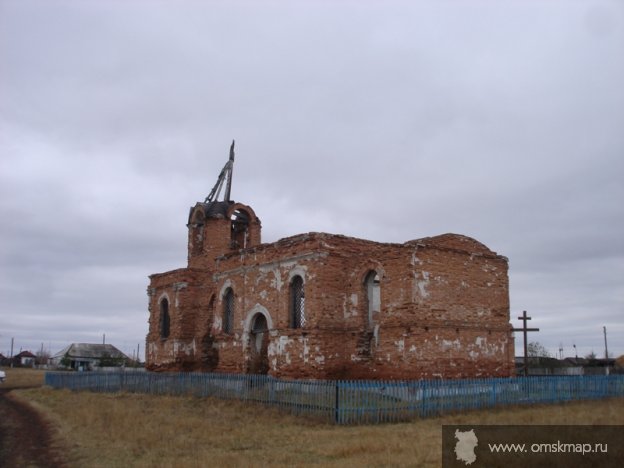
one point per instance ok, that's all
(600, 366)
(576, 361)
(25, 359)
(88, 356)
(542, 365)
(567, 366)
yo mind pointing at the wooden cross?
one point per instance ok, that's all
(524, 329)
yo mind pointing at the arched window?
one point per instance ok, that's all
(164, 318)
(373, 296)
(240, 229)
(297, 303)
(228, 310)
(258, 330)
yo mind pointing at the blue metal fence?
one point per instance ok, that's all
(352, 401)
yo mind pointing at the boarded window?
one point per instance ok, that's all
(373, 296)
(228, 311)
(297, 303)
(164, 318)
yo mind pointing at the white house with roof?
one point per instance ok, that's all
(88, 356)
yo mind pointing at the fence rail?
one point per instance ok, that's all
(352, 401)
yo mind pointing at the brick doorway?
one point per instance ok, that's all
(258, 345)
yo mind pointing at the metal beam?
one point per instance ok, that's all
(224, 177)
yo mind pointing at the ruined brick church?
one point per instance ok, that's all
(327, 306)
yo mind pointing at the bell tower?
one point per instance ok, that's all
(216, 228)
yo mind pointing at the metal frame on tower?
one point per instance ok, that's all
(226, 173)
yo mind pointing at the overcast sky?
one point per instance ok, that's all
(390, 121)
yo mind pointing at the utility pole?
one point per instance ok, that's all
(604, 329)
(12, 340)
(524, 330)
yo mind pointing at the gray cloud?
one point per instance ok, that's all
(384, 121)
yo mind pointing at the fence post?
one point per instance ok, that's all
(337, 404)
(493, 392)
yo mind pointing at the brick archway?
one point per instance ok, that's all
(257, 327)
(258, 345)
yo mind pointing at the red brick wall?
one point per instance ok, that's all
(444, 308)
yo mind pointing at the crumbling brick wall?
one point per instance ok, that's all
(443, 312)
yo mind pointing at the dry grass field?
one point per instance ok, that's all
(19, 377)
(130, 430)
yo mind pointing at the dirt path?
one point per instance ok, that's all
(25, 439)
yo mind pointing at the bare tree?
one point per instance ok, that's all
(536, 349)
(42, 357)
